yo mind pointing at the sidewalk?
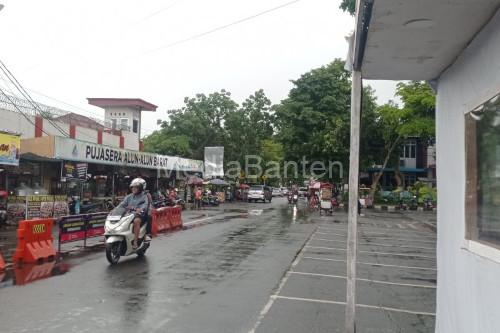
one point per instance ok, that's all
(396, 279)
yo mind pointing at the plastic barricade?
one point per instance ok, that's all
(28, 273)
(165, 219)
(175, 217)
(2, 264)
(160, 222)
(34, 241)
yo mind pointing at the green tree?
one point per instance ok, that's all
(198, 124)
(415, 119)
(314, 121)
(215, 120)
(348, 6)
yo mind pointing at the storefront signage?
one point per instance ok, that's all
(82, 151)
(10, 145)
(36, 206)
(74, 170)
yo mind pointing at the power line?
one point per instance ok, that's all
(159, 11)
(21, 112)
(25, 94)
(225, 26)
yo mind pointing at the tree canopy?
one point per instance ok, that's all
(348, 6)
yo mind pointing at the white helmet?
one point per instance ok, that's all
(139, 182)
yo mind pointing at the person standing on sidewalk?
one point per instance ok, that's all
(197, 198)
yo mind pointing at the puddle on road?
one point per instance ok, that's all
(21, 275)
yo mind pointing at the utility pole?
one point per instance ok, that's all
(352, 224)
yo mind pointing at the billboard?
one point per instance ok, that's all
(88, 152)
(10, 145)
(214, 162)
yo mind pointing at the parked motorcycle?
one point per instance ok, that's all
(428, 204)
(3, 207)
(209, 200)
(119, 234)
(77, 207)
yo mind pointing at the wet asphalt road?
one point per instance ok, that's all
(251, 268)
(212, 278)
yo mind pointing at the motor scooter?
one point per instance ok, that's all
(3, 207)
(119, 234)
(293, 198)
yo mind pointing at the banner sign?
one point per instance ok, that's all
(95, 224)
(10, 145)
(16, 208)
(82, 151)
(214, 162)
(74, 170)
(72, 228)
(36, 206)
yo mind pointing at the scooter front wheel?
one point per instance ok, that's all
(113, 252)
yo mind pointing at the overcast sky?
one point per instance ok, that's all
(71, 50)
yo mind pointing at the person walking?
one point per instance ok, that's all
(197, 198)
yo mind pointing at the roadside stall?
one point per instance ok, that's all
(191, 184)
(242, 193)
(218, 187)
(325, 195)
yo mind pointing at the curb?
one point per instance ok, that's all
(197, 223)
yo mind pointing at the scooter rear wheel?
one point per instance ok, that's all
(113, 252)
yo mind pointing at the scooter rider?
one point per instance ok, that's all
(139, 202)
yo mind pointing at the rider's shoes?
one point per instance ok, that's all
(147, 238)
(134, 245)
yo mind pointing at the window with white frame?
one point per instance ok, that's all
(482, 138)
(124, 124)
(409, 150)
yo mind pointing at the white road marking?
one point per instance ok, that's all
(198, 221)
(377, 307)
(376, 244)
(367, 280)
(371, 252)
(385, 234)
(370, 229)
(374, 264)
(283, 281)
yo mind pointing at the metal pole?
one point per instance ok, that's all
(113, 186)
(352, 226)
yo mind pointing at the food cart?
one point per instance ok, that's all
(325, 203)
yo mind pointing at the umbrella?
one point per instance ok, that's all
(194, 180)
(220, 182)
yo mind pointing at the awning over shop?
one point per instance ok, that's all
(415, 40)
(36, 158)
(219, 182)
(61, 148)
(194, 180)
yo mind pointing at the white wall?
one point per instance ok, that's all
(15, 122)
(131, 140)
(468, 292)
(50, 129)
(86, 134)
(110, 140)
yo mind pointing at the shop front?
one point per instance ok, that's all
(97, 172)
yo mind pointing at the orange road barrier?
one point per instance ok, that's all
(2, 264)
(166, 218)
(34, 241)
(176, 217)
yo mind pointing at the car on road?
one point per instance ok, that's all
(277, 192)
(284, 191)
(260, 192)
(302, 191)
